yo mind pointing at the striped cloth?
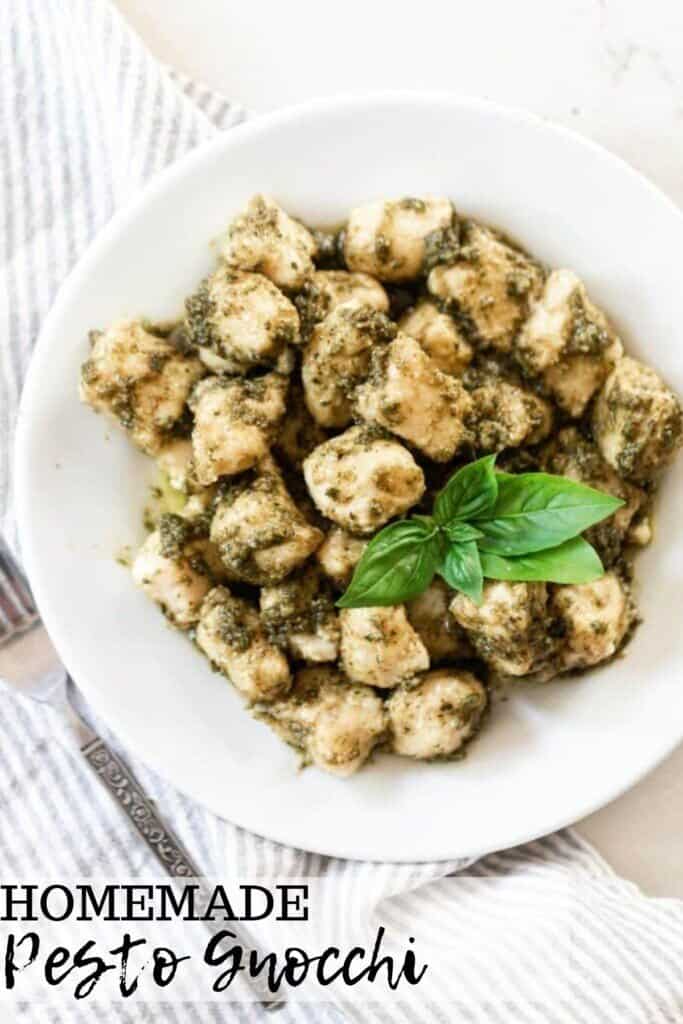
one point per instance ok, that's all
(87, 117)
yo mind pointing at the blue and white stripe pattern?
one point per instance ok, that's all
(87, 116)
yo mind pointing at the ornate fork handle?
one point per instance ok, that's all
(117, 777)
(131, 797)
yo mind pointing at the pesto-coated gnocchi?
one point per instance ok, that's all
(435, 715)
(508, 630)
(407, 394)
(265, 239)
(596, 617)
(488, 287)
(234, 423)
(139, 379)
(239, 320)
(568, 341)
(321, 385)
(380, 647)
(390, 239)
(337, 360)
(331, 721)
(231, 635)
(260, 533)
(439, 336)
(363, 478)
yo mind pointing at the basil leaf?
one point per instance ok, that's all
(534, 511)
(397, 564)
(427, 521)
(575, 561)
(458, 532)
(461, 569)
(469, 492)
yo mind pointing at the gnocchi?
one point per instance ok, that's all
(320, 385)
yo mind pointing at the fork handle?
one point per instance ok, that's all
(122, 785)
(131, 797)
(161, 840)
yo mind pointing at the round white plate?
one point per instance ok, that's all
(550, 754)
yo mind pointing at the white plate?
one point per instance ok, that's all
(549, 755)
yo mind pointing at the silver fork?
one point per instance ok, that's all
(30, 664)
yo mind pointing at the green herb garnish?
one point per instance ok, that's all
(399, 563)
(485, 524)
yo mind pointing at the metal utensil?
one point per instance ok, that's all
(30, 664)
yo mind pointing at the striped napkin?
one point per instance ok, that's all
(87, 116)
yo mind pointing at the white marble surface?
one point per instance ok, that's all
(612, 69)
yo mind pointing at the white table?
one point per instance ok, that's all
(612, 69)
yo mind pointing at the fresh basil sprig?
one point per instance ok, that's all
(485, 524)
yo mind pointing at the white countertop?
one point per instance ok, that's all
(611, 69)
